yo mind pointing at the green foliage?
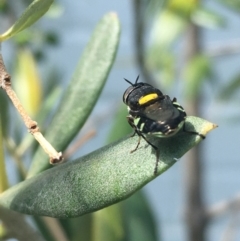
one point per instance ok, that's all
(171, 23)
(207, 18)
(130, 219)
(3, 175)
(83, 90)
(138, 218)
(101, 178)
(34, 11)
(120, 128)
(4, 115)
(196, 72)
(79, 227)
(135, 219)
(233, 4)
(108, 224)
(231, 89)
(110, 174)
(166, 30)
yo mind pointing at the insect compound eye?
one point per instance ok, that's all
(132, 91)
(140, 94)
(126, 94)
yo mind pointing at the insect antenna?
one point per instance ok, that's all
(136, 80)
(131, 82)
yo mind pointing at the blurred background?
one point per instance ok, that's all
(188, 49)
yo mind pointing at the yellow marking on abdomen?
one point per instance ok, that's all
(143, 100)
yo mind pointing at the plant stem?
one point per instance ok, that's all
(139, 33)
(5, 83)
(195, 208)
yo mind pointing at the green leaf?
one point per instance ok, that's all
(101, 178)
(34, 11)
(108, 224)
(231, 89)
(163, 62)
(83, 91)
(78, 227)
(3, 174)
(196, 72)
(4, 112)
(131, 218)
(233, 4)
(182, 7)
(207, 18)
(167, 29)
(139, 221)
(119, 128)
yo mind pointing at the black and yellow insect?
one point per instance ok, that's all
(152, 113)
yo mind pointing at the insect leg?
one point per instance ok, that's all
(156, 164)
(156, 150)
(139, 133)
(131, 123)
(153, 146)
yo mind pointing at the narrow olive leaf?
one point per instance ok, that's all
(119, 128)
(84, 89)
(108, 224)
(207, 18)
(234, 5)
(27, 82)
(3, 174)
(168, 26)
(101, 178)
(4, 112)
(138, 218)
(196, 72)
(231, 89)
(33, 12)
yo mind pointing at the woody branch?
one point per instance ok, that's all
(5, 84)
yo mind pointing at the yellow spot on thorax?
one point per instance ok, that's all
(144, 99)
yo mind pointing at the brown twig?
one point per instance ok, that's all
(5, 83)
(56, 229)
(218, 49)
(195, 206)
(223, 207)
(140, 48)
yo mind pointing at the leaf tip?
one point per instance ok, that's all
(208, 127)
(113, 14)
